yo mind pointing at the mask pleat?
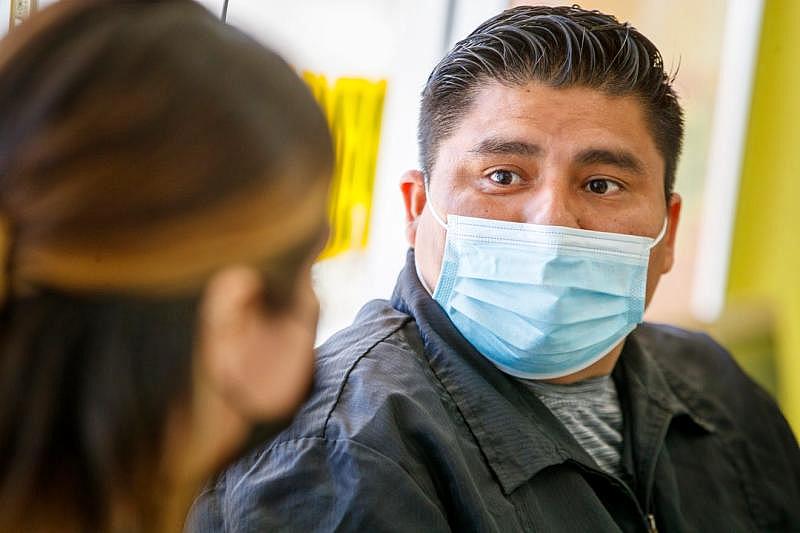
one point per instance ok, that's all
(541, 301)
(558, 304)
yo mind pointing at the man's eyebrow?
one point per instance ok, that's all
(497, 146)
(622, 159)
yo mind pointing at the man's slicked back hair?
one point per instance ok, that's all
(558, 47)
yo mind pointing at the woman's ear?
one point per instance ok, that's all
(224, 311)
(251, 367)
(260, 361)
(412, 187)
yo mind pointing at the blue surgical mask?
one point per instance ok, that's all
(539, 301)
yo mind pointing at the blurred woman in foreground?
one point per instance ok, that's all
(163, 180)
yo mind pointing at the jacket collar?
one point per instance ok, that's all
(650, 405)
(517, 433)
(650, 387)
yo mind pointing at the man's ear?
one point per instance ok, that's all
(412, 187)
(673, 217)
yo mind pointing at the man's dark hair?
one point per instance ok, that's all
(559, 47)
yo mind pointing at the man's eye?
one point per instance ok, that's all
(504, 177)
(602, 186)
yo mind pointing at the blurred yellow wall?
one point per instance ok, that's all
(765, 262)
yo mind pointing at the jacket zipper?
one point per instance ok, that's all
(649, 519)
(651, 523)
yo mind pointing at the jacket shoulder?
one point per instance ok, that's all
(705, 375)
(744, 416)
(693, 356)
(377, 329)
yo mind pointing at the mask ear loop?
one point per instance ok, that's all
(660, 234)
(428, 201)
(441, 222)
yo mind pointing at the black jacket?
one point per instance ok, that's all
(410, 429)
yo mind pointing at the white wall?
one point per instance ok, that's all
(398, 41)
(5, 13)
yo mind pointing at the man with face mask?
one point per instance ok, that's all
(509, 384)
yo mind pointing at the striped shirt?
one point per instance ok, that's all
(590, 410)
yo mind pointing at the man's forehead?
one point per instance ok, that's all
(533, 119)
(538, 102)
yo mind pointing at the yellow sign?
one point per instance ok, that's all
(354, 109)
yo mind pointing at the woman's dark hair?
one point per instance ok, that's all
(143, 146)
(559, 47)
